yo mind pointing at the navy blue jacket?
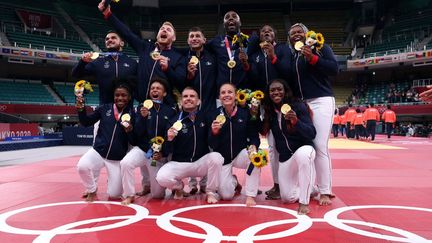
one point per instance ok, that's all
(312, 81)
(148, 68)
(237, 75)
(190, 144)
(105, 69)
(155, 124)
(262, 71)
(237, 133)
(205, 79)
(289, 140)
(111, 140)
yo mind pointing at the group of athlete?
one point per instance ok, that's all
(206, 132)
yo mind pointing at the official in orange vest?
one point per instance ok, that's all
(343, 122)
(358, 122)
(371, 116)
(336, 123)
(349, 114)
(389, 118)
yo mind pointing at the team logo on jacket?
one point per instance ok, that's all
(257, 59)
(202, 124)
(240, 120)
(208, 63)
(108, 113)
(106, 65)
(126, 65)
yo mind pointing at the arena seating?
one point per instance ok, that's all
(404, 33)
(90, 20)
(341, 92)
(377, 93)
(25, 92)
(66, 91)
(332, 28)
(67, 41)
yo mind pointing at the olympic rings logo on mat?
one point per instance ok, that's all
(214, 234)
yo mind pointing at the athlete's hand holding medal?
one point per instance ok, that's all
(289, 114)
(217, 123)
(314, 41)
(268, 49)
(126, 122)
(192, 67)
(145, 109)
(157, 56)
(176, 127)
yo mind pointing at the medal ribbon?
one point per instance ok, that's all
(116, 112)
(228, 48)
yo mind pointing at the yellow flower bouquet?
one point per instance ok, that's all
(258, 159)
(82, 87)
(156, 147)
(314, 40)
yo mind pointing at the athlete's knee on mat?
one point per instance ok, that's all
(163, 179)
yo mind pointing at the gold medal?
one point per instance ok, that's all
(178, 125)
(155, 55)
(285, 108)
(231, 63)
(125, 118)
(148, 104)
(194, 60)
(298, 45)
(262, 44)
(94, 55)
(221, 119)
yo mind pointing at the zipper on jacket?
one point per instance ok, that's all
(231, 140)
(200, 80)
(112, 139)
(157, 122)
(266, 69)
(194, 149)
(298, 77)
(280, 126)
(116, 68)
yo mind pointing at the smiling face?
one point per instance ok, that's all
(267, 34)
(113, 42)
(196, 40)
(157, 91)
(227, 95)
(296, 33)
(166, 34)
(190, 100)
(276, 92)
(121, 97)
(232, 22)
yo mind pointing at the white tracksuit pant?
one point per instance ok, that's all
(297, 176)
(228, 182)
(136, 158)
(273, 157)
(323, 111)
(173, 172)
(89, 167)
